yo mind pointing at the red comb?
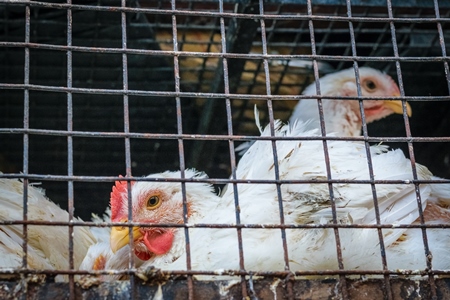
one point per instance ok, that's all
(119, 191)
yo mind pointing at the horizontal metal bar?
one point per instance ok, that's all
(365, 3)
(242, 138)
(178, 12)
(251, 56)
(208, 28)
(36, 87)
(242, 225)
(233, 272)
(213, 180)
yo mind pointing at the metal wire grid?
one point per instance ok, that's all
(288, 80)
(351, 56)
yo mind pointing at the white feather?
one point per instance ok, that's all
(48, 246)
(311, 249)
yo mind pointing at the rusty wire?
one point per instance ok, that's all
(70, 194)
(26, 125)
(266, 34)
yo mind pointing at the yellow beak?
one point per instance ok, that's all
(397, 107)
(119, 237)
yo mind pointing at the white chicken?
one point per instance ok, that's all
(48, 246)
(160, 203)
(216, 249)
(341, 116)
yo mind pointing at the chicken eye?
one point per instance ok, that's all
(370, 85)
(153, 202)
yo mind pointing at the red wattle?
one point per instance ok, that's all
(158, 242)
(142, 255)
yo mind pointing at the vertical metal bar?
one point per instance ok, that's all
(176, 66)
(442, 42)
(26, 125)
(126, 128)
(274, 148)
(387, 285)
(226, 83)
(70, 194)
(342, 278)
(412, 157)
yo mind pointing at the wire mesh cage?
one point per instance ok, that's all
(94, 89)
